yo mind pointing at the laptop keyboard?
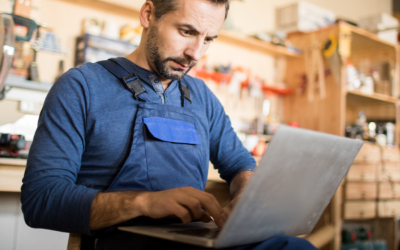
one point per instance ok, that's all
(201, 232)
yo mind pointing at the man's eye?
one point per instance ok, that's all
(208, 40)
(186, 32)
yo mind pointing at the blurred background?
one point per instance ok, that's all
(330, 66)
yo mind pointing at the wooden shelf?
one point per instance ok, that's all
(375, 96)
(127, 9)
(11, 174)
(12, 161)
(21, 82)
(365, 40)
(254, 44)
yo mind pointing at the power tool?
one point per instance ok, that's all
(12, 144)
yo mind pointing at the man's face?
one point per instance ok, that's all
(181, 37)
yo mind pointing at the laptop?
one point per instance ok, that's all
(291, 187)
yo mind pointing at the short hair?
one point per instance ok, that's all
(163, 7)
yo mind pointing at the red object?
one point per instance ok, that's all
(268, 89)
(294, 124)
(259, 150)
(353, 236)
(215, 76)
(369, 234)
(220, 77)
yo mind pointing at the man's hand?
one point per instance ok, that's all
(237, 186)
(186, 203)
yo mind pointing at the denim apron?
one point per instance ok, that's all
(166, 147)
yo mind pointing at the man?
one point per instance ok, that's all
(128, 141)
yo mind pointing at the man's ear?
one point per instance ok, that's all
(146, 14)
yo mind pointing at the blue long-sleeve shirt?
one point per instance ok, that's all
(84, 135)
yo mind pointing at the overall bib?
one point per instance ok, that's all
(166, 148)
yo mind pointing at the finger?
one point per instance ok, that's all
(182, 213)
(211, 205)
(192, 204)
(228, 208)
(205, 217)
(227, 211)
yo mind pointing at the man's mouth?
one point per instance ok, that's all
(182, 66)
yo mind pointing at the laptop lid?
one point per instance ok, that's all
(294, 182)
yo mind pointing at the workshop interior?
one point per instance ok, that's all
(322, 65)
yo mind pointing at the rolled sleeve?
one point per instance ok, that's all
(227, 152)
(50, 197)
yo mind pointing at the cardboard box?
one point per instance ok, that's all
(378, 22)
(359, 210)
(360, 190)
(303, 16)
(388, 208)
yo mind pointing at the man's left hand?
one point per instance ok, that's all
(228, 208)
(237, 186)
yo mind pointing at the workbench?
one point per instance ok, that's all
(12, 171)
(11, 174)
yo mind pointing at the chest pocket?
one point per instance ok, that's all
(172, 150)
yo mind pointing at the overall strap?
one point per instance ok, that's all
(185, 96)
(130, 81)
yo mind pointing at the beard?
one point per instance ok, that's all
(160, 64)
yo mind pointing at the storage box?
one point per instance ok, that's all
(391, 156)
(389, 173)
(388, 208)
(359, 190)
(359, 210)
(389, 190)
(389, 36)
(303, 16)
(369, 154)
(362, 173)
(378, 22)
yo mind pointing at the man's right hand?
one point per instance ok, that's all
(186, 203)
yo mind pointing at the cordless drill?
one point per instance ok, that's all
(12, 143)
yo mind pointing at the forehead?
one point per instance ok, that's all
(200, 13)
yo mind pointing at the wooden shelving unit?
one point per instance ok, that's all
(373, 97)
(340, 107)
(126, 9)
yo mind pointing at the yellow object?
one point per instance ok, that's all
(328, 52)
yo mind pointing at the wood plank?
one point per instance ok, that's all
(11, 161)
(359, 209)
(362, 173)
(374, 96)
(389, 190)
(364, 39)
(356, 190)
(389, 174)
(255, 44)
(107, 6)
(11, 178)
(369, 154)
(388, 208)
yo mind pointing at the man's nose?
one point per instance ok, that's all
(195, 50)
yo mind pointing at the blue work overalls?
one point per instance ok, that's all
(165, 145)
